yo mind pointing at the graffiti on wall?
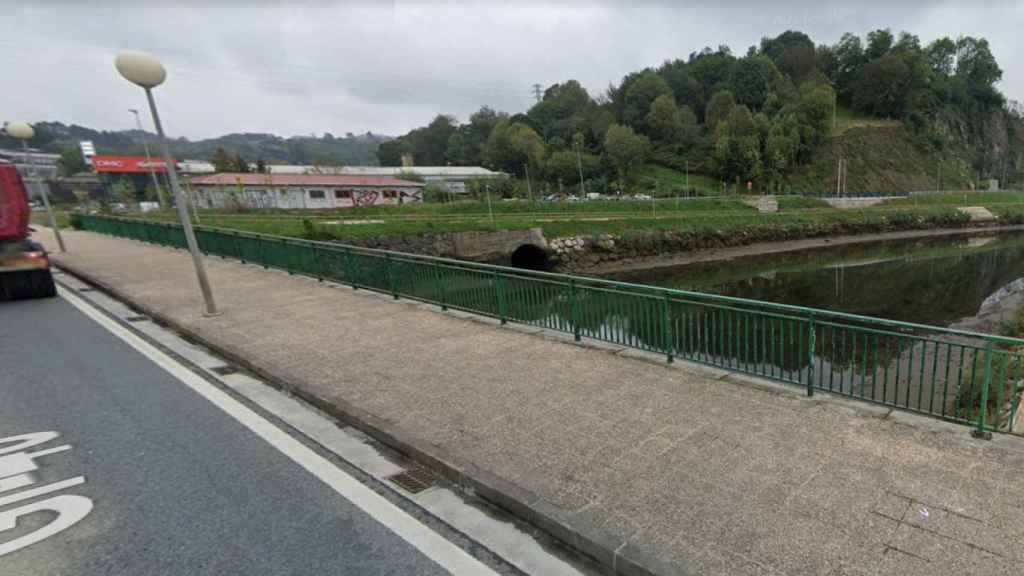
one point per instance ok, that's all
(365, 197)
(411, 196)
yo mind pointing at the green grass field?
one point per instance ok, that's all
(670, 181)
(847, 119)
(727, 215)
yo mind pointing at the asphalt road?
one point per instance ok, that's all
(176, 485)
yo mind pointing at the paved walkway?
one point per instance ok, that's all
(684, 469)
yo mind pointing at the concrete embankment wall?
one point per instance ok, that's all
(497, 247)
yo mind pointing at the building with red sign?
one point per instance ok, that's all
(128, 165)
(249, 190)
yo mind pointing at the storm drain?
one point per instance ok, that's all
(86, 289)
(136, 318)
(414, 480)
(224, 370)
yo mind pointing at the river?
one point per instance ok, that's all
(936, 280)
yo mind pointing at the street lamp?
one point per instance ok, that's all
(24, 132)
(149, 160)
(146, 71)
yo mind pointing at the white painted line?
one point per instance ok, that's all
(434, 546)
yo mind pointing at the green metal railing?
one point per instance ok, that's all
(964, 377)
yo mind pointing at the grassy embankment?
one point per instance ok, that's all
(724, 217)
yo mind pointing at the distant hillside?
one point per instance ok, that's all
(905, 114)
(349, 150)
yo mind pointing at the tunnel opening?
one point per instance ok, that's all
(531, 257)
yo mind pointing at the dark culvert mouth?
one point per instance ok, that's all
(531, 257)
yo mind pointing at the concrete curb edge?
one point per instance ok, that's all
(611, 554)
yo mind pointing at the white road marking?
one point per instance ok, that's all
(45, 489)
(434, 546)
(69, 508)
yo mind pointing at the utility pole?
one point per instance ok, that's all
(490, 209)
(846, 173)
(149, 159)
(529, 187)
(537, 93)
(579, 165)
(839, 171)
(687, 177)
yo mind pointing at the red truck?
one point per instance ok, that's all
(24, 265)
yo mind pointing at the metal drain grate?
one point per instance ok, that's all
(414, 480)
(224, 370)
(86, 289)
(135, 318)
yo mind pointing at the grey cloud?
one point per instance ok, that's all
(388, 67)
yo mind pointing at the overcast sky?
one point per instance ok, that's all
(387, 67)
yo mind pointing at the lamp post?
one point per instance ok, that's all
(149, 159)
(24, 132)
(146, 71)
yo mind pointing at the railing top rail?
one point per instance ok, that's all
(614, 284)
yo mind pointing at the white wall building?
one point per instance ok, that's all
(311, 191)
(454, 178)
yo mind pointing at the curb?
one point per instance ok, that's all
(614, 556)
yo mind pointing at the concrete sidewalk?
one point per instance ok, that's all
(678, 469)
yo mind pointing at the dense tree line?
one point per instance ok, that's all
(350, 149)
(750, 118)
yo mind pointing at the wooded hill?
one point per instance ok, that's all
(350, 149)
(903, 114)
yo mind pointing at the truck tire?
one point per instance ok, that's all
(26, 285)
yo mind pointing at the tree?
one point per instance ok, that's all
(261, 166)
(737, 152)
(625, 148)
(883, 87)
(792, 53)
(639, 96)
(849, 58)
(685, 87)
(222, 161)
(124, 190)
(713, 69)
(513, 144)
(664, 121)
(753, 79)
(389, 153)
(975, 62)
(941, 54)
(720, 105)
(240, 164)
(879, 44)
(554, 114)
(71, 162)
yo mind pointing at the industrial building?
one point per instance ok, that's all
(313, 191)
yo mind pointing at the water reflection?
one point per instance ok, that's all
(930, 281)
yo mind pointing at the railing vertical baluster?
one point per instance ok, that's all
(499, 295)
(389, 275)
(667, 330)
(810, 357)
(574, 313)
(439, 285)
(986, 381)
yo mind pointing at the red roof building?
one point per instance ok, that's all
(310, 180)
(302, 191)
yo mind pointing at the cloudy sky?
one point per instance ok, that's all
(314, 67)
